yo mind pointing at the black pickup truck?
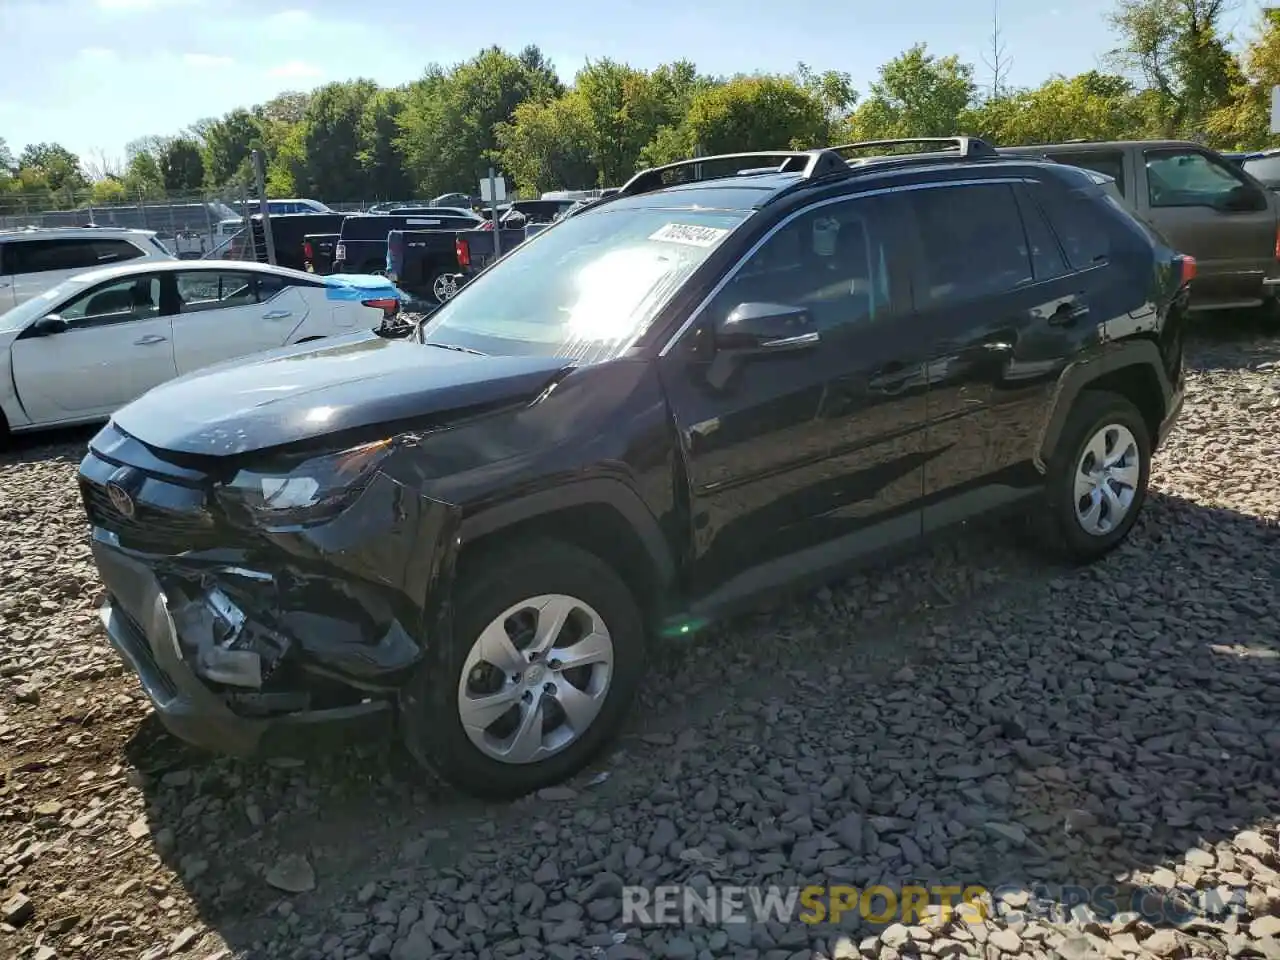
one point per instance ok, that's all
(288, 232)
(362, 239)
(434, 265)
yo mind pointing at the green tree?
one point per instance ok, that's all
(109, 190)
(450, 117)
(331, 140)
(547, 145)
(143, 179)
(626, 109)
(181, 166)
(917, 95)
(228, 145)
(833, 89)
(1179, 49)
(7, 162)
(59, 167)
(381, 157)
(1090, 106)
(744, 114)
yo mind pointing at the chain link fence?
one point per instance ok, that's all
(197, 224)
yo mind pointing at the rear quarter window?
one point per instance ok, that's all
(1076, 219)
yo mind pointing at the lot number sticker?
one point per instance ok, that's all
(687, 233)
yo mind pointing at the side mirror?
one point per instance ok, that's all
(49, 325)
(760, 328)
(1243, 198)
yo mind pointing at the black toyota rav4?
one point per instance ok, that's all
(735, 374)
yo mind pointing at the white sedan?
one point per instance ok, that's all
(82, 349)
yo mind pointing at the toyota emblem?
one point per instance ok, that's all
(121, 499)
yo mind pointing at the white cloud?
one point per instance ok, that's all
(98, 53)
(295, 70)
(206, 60)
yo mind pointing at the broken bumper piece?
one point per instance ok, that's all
(220, 679)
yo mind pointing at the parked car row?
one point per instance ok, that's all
(735, 375)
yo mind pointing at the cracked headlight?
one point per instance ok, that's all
(314, 490)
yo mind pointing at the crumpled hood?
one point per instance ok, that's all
(302, 392)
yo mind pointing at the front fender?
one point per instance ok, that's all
(605, 491)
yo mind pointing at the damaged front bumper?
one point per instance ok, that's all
(267, 641)
(142, 627)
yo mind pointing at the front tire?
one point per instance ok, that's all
(1098, 477)
(544, 656)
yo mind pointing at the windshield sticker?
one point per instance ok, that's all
(689, 234)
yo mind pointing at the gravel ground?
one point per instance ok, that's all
(968, 716)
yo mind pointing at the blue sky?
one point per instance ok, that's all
(95, 74)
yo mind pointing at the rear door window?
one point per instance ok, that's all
(116, 251)
(43, 256)
(972, 241)
(200, 290)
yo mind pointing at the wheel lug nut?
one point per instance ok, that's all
(554, 664)
(549, 688)
(527, 697)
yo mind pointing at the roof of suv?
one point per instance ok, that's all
(1089, 146)
(757, 179)
(72, 233)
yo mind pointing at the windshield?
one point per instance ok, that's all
(585, 289)
(39, 305)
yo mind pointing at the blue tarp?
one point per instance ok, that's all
(360, 286)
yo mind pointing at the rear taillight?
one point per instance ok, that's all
(1278, 243)
(1186, 270)
(308, 252)
(463, 250)
(389, 306)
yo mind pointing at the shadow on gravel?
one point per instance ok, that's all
(1233, 341)
(1070, 729)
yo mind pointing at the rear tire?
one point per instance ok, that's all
(1097, 478)
(543, 721)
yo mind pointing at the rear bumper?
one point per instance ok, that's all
(141, 628)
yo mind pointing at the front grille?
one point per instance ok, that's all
(153, 529)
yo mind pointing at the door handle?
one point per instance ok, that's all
(277, 315)
(1068, 313)
(150, 339)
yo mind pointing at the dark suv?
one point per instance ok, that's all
(677, 399)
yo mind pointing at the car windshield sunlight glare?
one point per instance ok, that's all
(586, 289)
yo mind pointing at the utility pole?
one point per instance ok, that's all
(260, 181)
(493, 205)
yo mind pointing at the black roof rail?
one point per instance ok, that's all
(808, 163)
(967, 147)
